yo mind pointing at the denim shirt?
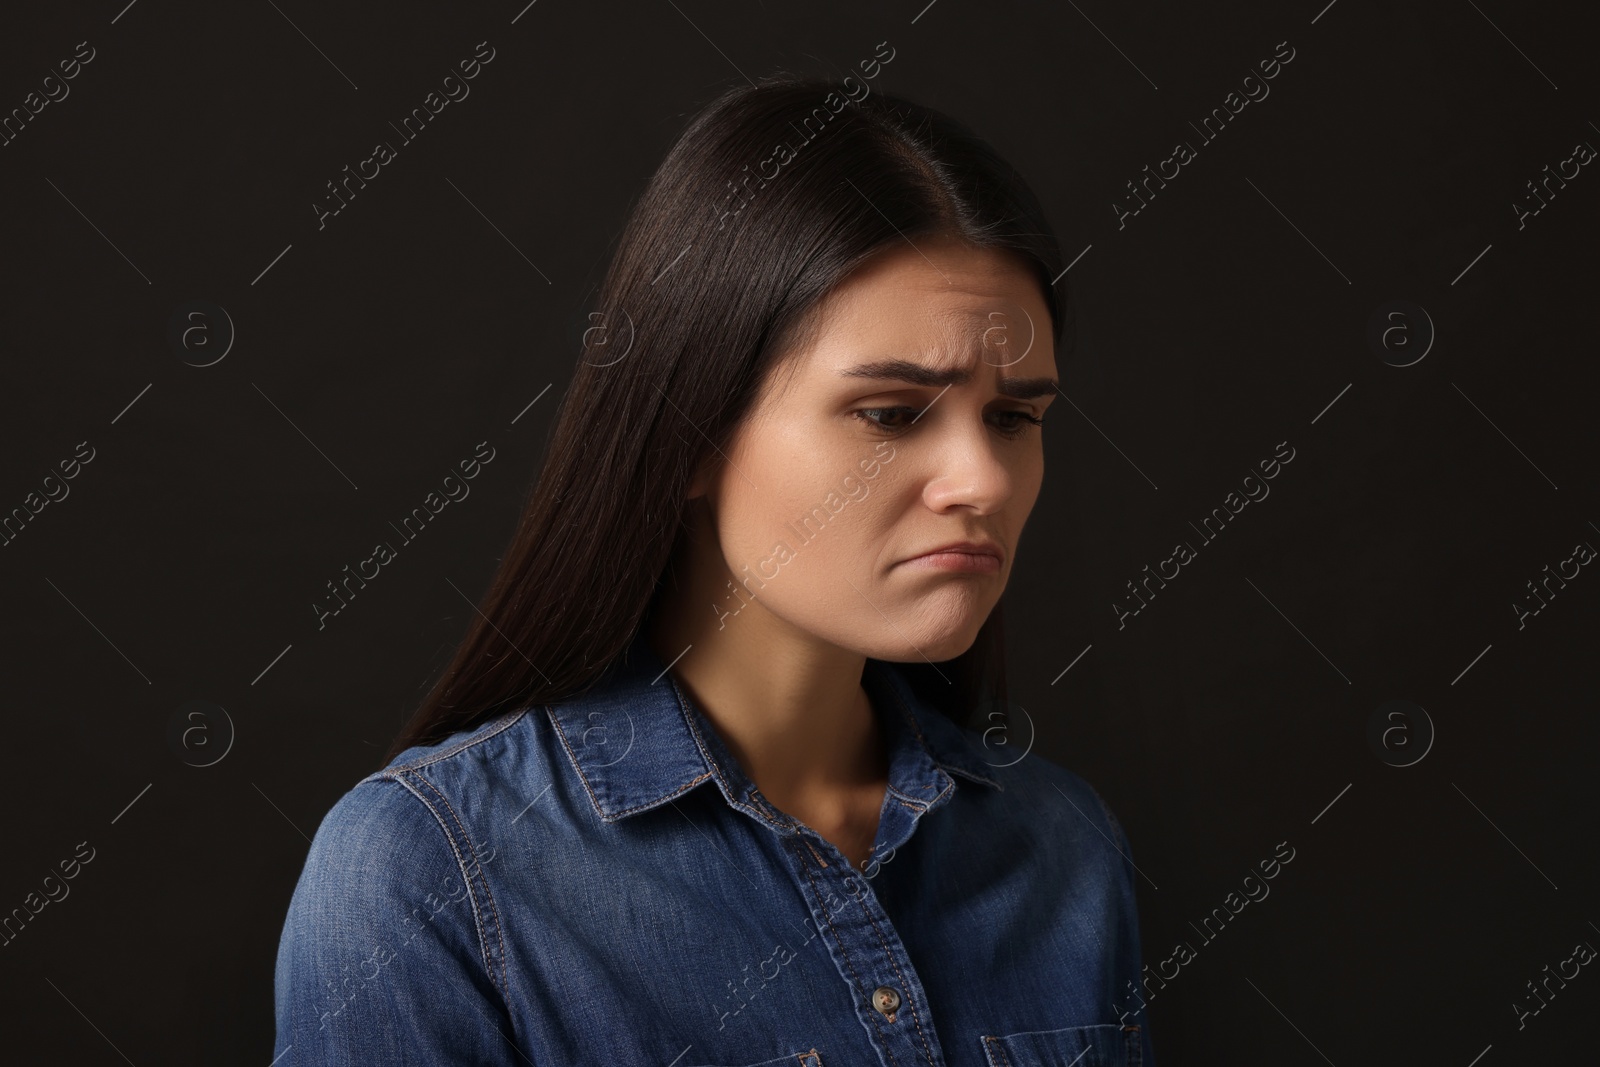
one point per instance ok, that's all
(598, 882)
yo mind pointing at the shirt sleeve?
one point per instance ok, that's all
(1129, 956)
(382, 961)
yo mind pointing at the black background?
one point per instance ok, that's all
(1229, 315)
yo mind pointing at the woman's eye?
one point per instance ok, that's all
(873, 417)
(1020, 426)
(896, 419)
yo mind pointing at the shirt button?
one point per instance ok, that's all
(886, 999)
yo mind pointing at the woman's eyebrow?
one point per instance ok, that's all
(904, 370)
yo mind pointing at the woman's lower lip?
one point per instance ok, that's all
(957, 561)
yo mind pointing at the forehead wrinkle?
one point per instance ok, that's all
(948, 346)
(949, 317)
(958, 340)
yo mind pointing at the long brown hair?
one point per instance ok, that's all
(717, 276)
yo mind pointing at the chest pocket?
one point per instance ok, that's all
(809, 1058)
(1110, 1045)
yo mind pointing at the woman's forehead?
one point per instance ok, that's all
(941, 325)
(934, 350)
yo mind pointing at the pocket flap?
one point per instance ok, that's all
(1109, 1045)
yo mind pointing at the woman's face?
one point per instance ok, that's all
(904, 427)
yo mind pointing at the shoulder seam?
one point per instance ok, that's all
(477, 736)
(484, 911)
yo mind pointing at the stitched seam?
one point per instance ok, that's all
(883, 942)
(587, 788)
(478, 868)
(690, 784)
(997, 1054)
(983, 779)
(562, 737)
(895, 682)
(699, 741)
(715, 769)
(821, 904)
(505, 988)
(912, 802)
(461, 746)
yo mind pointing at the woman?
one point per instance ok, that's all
(698, 788)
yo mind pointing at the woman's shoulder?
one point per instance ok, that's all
(395, 872)
(1064, 804)
(397, 837)
(395, 830)
(421, 802)
(487, 740)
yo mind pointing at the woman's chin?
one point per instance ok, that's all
(933, 645)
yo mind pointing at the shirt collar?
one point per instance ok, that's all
(637, 740)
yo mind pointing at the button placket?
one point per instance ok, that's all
(864, 946)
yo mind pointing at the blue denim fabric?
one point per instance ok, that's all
(598, 882)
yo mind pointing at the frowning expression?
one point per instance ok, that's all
(908, 423)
